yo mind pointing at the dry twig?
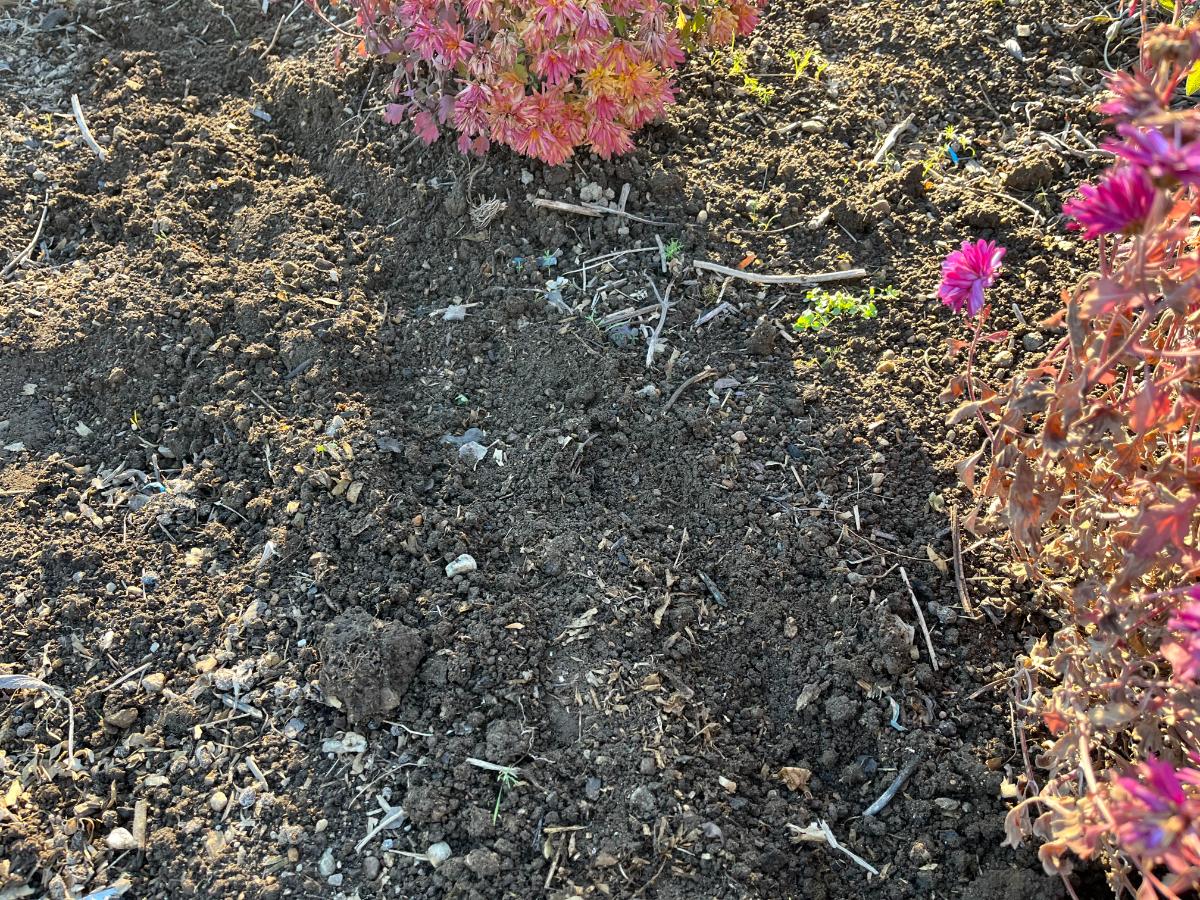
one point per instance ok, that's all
(816, 278)
(892, 789)
(85, 131)
(920, 619)
(32, 245)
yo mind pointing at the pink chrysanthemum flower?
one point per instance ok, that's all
(557, 16)
(1133, 97)
(594, 20)
(967, 273)
(1183, 650)
(455, 47)
(1119, 204)
(1166, 159)
(553, 66)
(1156, 812)
(608, 138)
(469, 105)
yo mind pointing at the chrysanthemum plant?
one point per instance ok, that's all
(1089, 460)
(543, 77)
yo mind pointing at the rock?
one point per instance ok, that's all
(218, 801)
(472, 452)
(880, 209)
(739, 437)
(366, 664)
(1003, 359)
(155, 682)
(327, 865)
(122, 718)
(371, 868)
(121, 839)
(461, 566)
(1032, 341)
(471, 434)
(438, 853)
(484, 863)
(643, 804)
(812, 126)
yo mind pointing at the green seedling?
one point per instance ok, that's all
(824, 307)
(671, 250)
(801, 62)
(507, 781)
(757, 219)
(739, 64)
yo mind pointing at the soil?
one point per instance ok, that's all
(229, 377)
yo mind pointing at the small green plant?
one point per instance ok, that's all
(739, 64)
(761, 222)
(506, 781)
(671, 250)
(801, 62)
(824, 307)
(954, 146)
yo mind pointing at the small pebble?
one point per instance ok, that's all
(371, 868)
(812, 126)
(1032, 341)
(739, 437)
(327, 865)
(218, 801)
(155, 682)
(121, 839)
(461, 566)
(438, 853)
(1003, 359)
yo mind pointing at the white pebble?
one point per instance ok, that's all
(461, 566)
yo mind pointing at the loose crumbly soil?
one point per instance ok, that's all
(225, 379)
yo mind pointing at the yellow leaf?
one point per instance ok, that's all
(1193, 79)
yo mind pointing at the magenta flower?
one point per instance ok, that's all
(967, 273)
(1167, 160)
(1133, 97)
(1119, 204)
(1157, 809)
(1183, 651)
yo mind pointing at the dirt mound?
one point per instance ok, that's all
(226, 371)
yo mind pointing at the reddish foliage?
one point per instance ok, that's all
(540, 76)
(1092, 470)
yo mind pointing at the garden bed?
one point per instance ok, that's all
(227, 372)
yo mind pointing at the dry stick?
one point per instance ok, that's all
(892, 789)
(124, 678)
(890, 141)
(959, 576)
(662, 253)
(664, 305)
(560, 206)
(816, 278)
(594, 210)
(29, 248)
(700, 376)
(84, 130)
(921, 619)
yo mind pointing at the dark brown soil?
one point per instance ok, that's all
(226, 376)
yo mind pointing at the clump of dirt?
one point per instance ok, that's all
(367, 665)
